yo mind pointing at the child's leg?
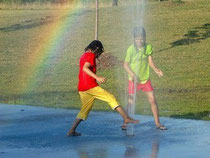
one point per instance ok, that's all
(124, 115)
(72, 131)
(129, 106)
(154, 107)
(133, 87)
(103, 95)
(87, 103)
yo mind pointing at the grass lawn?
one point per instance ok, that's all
(178, 32)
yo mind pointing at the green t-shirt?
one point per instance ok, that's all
(138, 61)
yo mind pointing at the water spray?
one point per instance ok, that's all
(131, 107)
(131, 111)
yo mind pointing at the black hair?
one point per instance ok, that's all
(96, 47)
(140, 32)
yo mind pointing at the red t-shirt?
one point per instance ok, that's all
(87, 82)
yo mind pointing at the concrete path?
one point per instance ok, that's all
(37, 132)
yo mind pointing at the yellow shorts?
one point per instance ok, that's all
(88, 97)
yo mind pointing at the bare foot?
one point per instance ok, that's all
(130, 120)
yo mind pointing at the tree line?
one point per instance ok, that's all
(54, 1)
(39, 1)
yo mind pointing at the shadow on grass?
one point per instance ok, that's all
(195, 35)
(197, 115)
(28, 24)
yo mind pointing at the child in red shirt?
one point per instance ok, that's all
(89, 90)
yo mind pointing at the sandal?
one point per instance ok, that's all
(161, 127)
(123, 127)
(74, 134)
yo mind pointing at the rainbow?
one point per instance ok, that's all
(49, 40)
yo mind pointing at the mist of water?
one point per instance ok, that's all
(138, 18)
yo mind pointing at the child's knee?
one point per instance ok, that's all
(112, 101)
(114, 104)
(152, 102)
(130, 99)
(82, 116)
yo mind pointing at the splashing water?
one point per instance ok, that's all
(138, 16)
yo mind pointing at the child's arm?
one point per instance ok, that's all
(86, 69)
(152, 65)
(129, 71)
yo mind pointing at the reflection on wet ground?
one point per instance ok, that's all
(38, 132)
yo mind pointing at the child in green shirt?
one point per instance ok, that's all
(137, 64)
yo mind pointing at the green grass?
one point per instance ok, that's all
(178, 32)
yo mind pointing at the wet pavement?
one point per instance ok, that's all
(37, 132)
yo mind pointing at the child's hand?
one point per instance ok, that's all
(134, 77)
(158, 72)
(101, 79)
